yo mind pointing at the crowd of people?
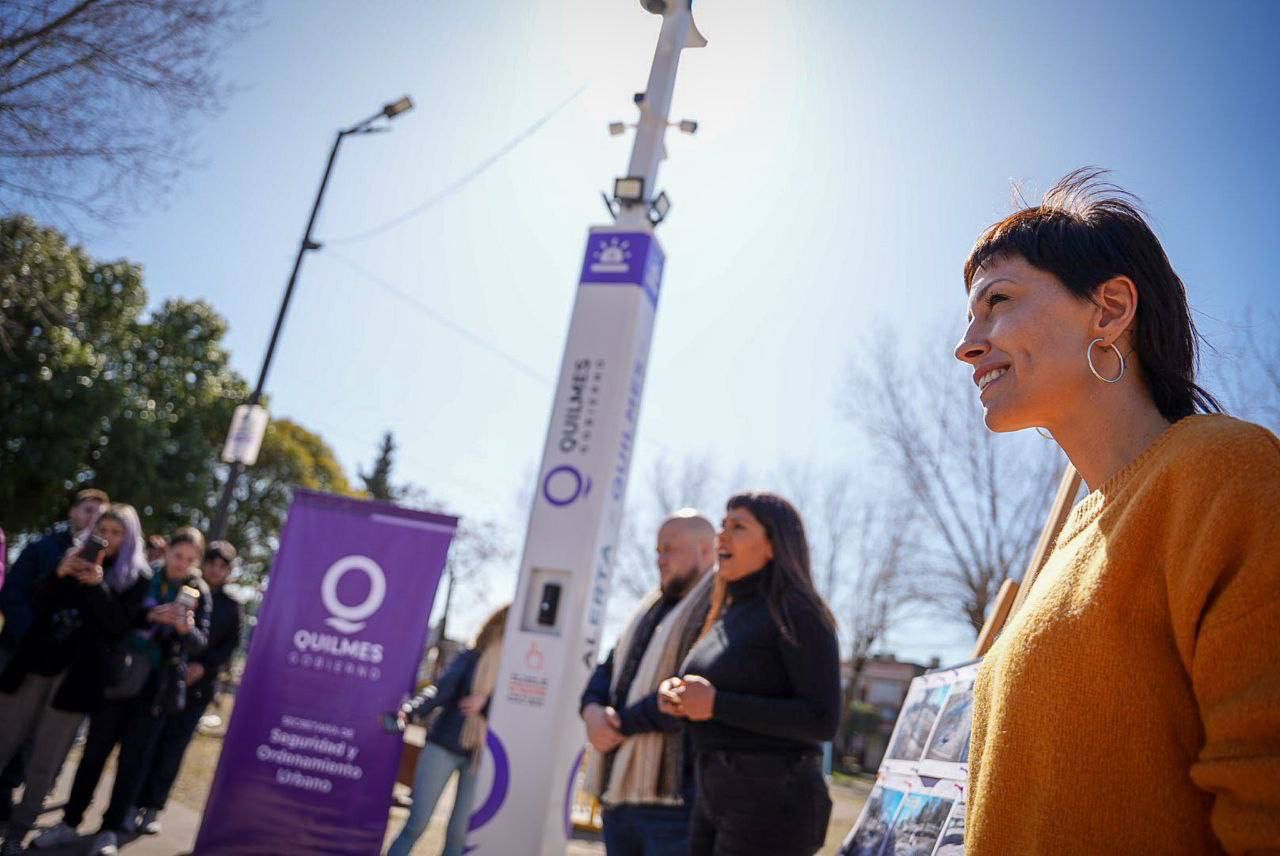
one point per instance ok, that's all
(126, 634)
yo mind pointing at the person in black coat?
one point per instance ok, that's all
(148, 686)
(59, 671)
(456, 737)
(760, 690)
(37, 561)
(202, 675)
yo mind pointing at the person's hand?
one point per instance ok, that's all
(90, 575)
(601, 732)
(697, 698)
(162, 614)
(72, 565)
(195, 671)
(669, 700)
(472, 704)
(402, 716)
(184, 620)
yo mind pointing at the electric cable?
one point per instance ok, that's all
(466, 178)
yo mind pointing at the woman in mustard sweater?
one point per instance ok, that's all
(1133, 704)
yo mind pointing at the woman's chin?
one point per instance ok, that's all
(1001, 421)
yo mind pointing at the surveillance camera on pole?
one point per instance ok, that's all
(535, 742)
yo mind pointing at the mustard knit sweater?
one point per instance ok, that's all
(1133, 704)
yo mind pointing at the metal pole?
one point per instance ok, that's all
(647, 149)
(219, 526)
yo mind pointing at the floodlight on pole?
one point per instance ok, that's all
(659, 208)
(629, 190)
(389, 111)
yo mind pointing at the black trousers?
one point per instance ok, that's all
(129, 723)
(171, 745)
(759, 805)
(11, 780)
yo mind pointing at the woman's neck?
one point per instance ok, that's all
(1102, 436)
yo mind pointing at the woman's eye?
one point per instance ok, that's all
(997, 297)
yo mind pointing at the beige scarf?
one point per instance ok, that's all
(475, 726)
(636, 774)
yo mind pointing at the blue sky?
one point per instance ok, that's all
(848, 155)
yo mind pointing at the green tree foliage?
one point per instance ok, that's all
(176, 394)
(377, 482)
(92, 392)
(291, 457)
(62, 318)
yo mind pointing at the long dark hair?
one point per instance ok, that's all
(788, 573)
(1086, 231)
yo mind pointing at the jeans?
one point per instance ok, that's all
(172, 744)
(436, 766)
(646, 830)
(759, 805)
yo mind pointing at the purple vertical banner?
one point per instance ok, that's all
(306, 766)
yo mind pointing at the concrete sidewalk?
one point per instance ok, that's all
(180, 824)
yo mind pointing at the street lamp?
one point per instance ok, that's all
(367, 126)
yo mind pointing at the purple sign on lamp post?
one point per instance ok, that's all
(306, 766)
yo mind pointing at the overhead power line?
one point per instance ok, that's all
(466, 178)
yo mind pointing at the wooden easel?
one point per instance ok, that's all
(1011, 594)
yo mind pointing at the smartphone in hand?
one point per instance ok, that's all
(391, 723)
(92, 549)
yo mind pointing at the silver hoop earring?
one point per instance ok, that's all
(1043, 433)
(1088, 355)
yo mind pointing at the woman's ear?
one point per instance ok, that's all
(1116, 300)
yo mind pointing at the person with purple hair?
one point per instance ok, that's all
(59, 672)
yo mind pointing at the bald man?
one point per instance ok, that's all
(641, 768)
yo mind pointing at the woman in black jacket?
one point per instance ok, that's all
(761, 691)
(456, 737)
(58, 673)
(173, 625)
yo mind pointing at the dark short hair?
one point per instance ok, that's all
(187, 535)
(91, 493)
(1087, 230)
(220, 550)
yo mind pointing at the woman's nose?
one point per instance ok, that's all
(971, 349)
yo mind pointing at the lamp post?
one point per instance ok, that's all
(366, 126)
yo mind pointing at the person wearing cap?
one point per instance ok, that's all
(202, 676)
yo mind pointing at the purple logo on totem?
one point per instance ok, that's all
(623, 258)
(564, 485)
(502, 784)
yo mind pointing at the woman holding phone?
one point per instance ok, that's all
(58, 673)
(761, 691)
(172, 624)
(1132, 705)
(456, 737)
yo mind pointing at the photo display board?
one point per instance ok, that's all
(917, 805)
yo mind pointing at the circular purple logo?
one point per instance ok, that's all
(564, 485)
(502, 784)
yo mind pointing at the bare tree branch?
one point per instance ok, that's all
(980, 497)
(97, 96)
